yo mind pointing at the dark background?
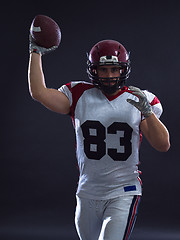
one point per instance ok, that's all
(38, 168)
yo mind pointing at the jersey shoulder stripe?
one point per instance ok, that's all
(74, 90)
(77, 91)
(153, 100)
(155, 103)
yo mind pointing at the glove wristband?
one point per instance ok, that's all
(35, 50)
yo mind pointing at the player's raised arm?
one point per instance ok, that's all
(50, 98)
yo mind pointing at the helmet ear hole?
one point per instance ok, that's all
(94, 71)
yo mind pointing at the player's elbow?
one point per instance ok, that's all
(163, 146)
(166, 147)
(35, 95)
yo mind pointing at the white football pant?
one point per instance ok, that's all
(106, 219)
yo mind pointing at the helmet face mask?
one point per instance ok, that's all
(108, 53)
(109, 85)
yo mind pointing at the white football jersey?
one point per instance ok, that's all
(107, 140)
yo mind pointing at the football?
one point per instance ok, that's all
(45, 31)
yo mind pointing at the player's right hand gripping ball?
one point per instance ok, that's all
(142, 105)
(45, 35)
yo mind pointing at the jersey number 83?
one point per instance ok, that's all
(98, 140)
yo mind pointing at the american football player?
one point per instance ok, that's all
(109, 120)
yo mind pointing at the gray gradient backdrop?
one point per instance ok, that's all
(38, 168)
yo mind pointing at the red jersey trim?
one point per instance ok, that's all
(77, 92)
(110, 98)
(155, 101)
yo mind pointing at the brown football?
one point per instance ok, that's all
(45, 31)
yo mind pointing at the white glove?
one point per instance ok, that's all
(142, 105)
(33, 47)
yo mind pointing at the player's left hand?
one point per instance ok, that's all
(142, 105)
